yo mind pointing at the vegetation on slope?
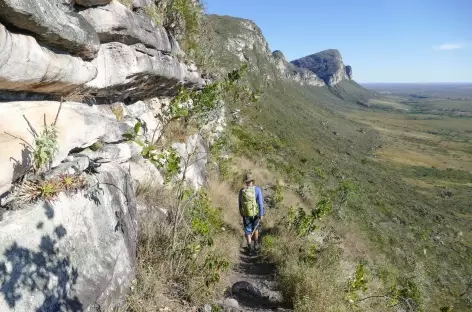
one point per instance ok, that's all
(409, 241)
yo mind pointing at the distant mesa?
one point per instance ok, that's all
(327, 64)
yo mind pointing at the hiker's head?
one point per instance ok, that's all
(249, 179)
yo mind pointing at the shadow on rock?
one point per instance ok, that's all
(27, 272)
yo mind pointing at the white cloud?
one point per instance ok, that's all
(450, 46)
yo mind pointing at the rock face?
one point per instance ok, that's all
(116, 23)
(51, 23)
(47, 47)
(194, 156)
(89, 3)
(291, 72)
(26, 66)
(75, 254)
(121, 68)
(78, 125)
(348, 72)
(328, 65)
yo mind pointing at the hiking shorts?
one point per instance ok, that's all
(249, 224)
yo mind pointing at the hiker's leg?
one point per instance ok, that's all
(256, 236)
(247, 227)
(249, 239)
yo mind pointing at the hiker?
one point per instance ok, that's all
(251, 209)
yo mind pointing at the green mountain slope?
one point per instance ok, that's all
(409, 238)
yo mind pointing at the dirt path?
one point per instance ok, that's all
(254, 286)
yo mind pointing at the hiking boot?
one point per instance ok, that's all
(250, 249)
(257, 246)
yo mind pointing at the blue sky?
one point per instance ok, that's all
(383, 40)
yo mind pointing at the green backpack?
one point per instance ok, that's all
(249, 207)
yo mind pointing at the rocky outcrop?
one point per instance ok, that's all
(194, 157)
(78, 126)
(74, 254)
(289, 71)
(41, 42)
(125, 71)
(89, 3)
(328, 65)
(52, 23)
(348, 72)
(27, 66)
(138, 4)
(116, 23)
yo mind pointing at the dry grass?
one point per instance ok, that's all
(171, 279)
(175, 131)
(224, 197)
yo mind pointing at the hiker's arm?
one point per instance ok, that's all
(260, 201)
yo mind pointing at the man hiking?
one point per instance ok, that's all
(251, 209)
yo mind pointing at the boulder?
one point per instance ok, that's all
(27, 66)
(74, 254)
(138, 4)
(78, 126)
(328, 65)
(124, 72)
(116, 23)
(143, 171)
(151, 127)
(89, 3)
(194, 157)
(53, 24)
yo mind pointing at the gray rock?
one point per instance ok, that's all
(194, 157)
(89, 3)
(206, 308)
(138, 4)
(122, 68)
(27, 66)
(116, 23)
(143, 171)
(118, 153)
(348, 72)
(74, 254)
(230, 302)
(328, 65)
(52, 24)
(246, 291)
(78, 126)
(291, 72)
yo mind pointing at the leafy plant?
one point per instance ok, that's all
(358, 282)
(278, 193)
(301, 222)
(45, 147)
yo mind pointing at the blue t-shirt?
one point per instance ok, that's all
(259, 200)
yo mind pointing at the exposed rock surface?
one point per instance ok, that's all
(74, 254)
(328, 65)
(116, 23)
(89, 3)
(124, 71)
(137, 4)
(52, 23)
(291, 72)
(78, 125)
(194, 157)
(27, 66)
(348, 72)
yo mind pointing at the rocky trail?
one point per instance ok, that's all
(254, 287)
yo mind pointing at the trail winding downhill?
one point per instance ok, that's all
(254, 286)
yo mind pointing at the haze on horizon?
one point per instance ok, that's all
(421, 41)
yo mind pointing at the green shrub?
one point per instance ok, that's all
(45, 147)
